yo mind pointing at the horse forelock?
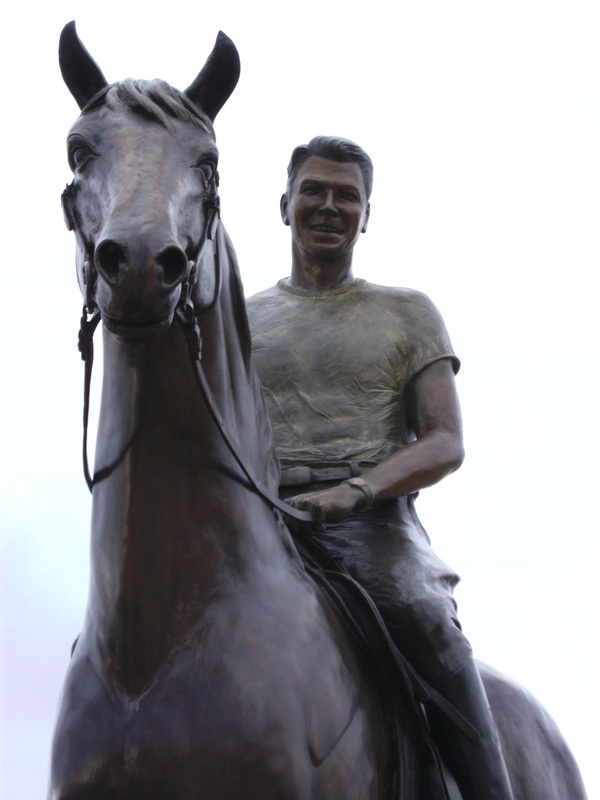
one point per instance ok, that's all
(154, 100)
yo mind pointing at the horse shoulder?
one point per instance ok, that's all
(315, 682)
(352, 733)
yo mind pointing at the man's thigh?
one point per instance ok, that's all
(387, 550)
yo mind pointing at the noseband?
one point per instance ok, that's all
(187, 314)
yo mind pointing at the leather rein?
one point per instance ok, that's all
(187, 315)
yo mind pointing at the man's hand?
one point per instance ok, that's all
(330, 505)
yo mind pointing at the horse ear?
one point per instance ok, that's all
(79, 70)
(217, 79)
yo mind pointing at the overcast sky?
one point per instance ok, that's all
(483, 121)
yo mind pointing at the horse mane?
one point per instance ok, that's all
(238, 389)
(154, 100)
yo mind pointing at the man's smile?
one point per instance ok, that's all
(323, 228)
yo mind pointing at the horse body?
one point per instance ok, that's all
(196, 665)
(208, 660)
(209, 666)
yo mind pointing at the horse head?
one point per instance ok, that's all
(141, 230)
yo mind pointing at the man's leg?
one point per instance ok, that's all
(427, 632)
(387, 550)
(478, 767)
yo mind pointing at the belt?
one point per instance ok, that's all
(301, 476)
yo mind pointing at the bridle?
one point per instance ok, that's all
(187, 314)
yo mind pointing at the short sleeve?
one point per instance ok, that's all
(425, 334)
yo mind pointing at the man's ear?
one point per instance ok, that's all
(283, 205)
(366, 222)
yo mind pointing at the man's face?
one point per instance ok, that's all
(327, 207)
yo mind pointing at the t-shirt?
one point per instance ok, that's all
(335, 366)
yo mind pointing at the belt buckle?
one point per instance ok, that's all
(296, 476)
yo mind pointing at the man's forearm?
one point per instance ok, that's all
(418, 465)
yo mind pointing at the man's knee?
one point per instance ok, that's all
(427, 631)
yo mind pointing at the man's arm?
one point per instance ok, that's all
(434, 415)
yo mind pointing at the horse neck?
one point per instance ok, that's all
(174, 522)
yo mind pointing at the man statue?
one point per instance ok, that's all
(359, 380)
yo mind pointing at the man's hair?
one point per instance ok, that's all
(335, 149)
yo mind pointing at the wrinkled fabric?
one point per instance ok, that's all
(335, 367)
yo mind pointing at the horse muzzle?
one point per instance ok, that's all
(137, 288)
(164, 271)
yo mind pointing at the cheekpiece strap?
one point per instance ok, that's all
(86, 348)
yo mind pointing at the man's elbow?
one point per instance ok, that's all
(455, 451)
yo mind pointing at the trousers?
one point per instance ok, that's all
(387, 550)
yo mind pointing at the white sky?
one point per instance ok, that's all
(483, 121)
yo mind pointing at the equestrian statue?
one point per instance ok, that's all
(220, 658)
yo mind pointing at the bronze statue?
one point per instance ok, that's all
(360, 386)
(210, 664)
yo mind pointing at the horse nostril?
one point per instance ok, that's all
(111, 260)
(173, 263)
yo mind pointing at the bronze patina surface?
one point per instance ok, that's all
(210, 665)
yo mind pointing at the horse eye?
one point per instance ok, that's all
(208, 169)
(79, 155)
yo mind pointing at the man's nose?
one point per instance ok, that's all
(328, 203)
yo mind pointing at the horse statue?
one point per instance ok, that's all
(211, 665)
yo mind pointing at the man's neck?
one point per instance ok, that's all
(311, 274)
